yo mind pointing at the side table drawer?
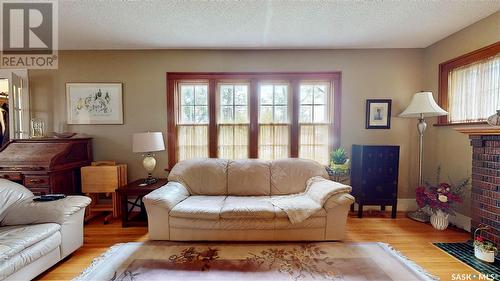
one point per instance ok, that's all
(39, 190)
(36, 181)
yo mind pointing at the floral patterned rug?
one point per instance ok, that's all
(151, 261)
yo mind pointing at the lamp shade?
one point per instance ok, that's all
(148, 142)
(423, 103)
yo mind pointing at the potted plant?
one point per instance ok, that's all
(339, 161)
(441, 199)
(483, 249)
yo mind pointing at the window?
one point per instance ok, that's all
(470, 86)
(314, 120)
(233, 121)
(252, 115)
(274, 131)
(193, 121)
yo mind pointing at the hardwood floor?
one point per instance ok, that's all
(413, 239)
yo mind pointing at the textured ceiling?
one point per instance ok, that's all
(264, 24)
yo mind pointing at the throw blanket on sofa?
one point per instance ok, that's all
(301, 206)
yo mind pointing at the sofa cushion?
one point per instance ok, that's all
(14, 239)
(245, 224)
(238, 207)
(199, 207)
(289, 176)
(11, 193)
(249, 177)
(31, 254)
(201, 176)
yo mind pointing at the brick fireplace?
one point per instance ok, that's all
(485, 194)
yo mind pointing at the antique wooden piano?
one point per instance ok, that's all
(46, 165)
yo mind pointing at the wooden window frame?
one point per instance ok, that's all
(329, 99)
(446, 67)
(253, 79)
(233, 105)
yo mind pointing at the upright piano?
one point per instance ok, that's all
(46, 165)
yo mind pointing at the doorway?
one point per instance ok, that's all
(4, 111)
(14, 105)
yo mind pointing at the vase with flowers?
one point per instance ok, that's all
(441, 199)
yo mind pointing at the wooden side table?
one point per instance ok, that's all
(133, 189)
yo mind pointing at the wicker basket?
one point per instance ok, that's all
(480, 253)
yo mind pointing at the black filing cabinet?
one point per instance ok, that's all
(374, 176)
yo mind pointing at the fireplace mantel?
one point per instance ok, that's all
(483, 130)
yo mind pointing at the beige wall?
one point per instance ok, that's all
(444, 145)
(394, 74)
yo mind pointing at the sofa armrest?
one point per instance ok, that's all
(320, 189)
(338, 200)
(158, 204)
(167, 196)
(31, 212)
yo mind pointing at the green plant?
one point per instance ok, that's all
(338, 156)
(485, 246)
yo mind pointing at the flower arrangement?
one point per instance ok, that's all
(483, 249)
(441, 196)
(485, 245)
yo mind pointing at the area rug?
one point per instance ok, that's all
(464, 252)
(149, 261)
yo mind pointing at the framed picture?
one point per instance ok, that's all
(378, 114)
(94, 103)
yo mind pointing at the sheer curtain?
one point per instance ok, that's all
(274, 140)
(474, 91)
(314, 143)
(192, 141)
(233, 141)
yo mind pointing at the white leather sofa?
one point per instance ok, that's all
(216, 199)
(36, 235)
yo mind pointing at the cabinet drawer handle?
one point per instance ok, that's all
(35, 181)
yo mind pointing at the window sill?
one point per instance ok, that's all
(478, 130)
(464, 124)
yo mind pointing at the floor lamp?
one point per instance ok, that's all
(422, 105)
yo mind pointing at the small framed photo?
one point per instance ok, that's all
(94, 103)
(378, 114)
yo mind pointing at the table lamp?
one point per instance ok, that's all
(147, 143)
(422, 105)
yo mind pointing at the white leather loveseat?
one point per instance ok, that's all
(216, 199)
(36, 235)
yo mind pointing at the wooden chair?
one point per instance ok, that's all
(100, 182)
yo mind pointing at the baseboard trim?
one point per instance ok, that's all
(461, 221)
(409, 204)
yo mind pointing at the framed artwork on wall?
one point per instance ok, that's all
(94, 103)
(378, 114)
